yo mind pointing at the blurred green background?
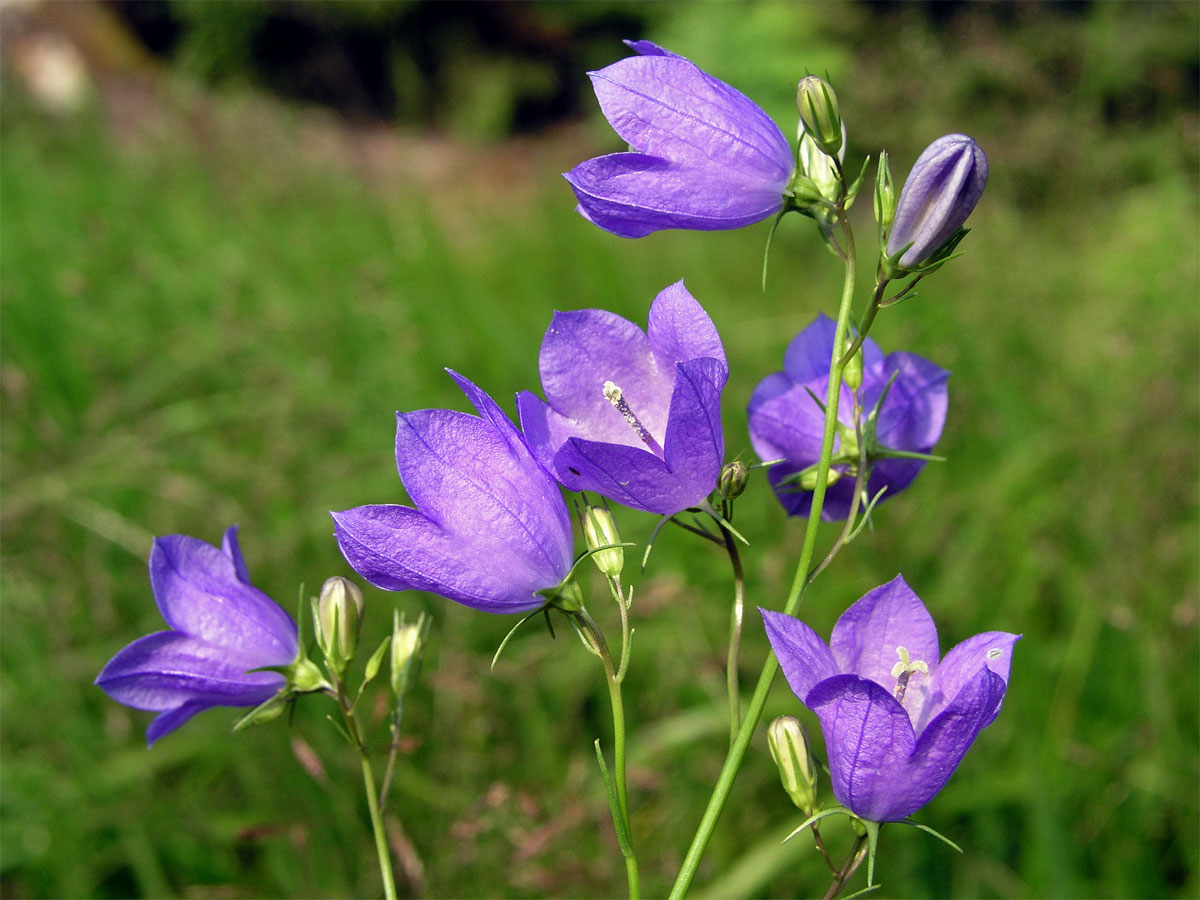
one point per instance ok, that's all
(237, 237)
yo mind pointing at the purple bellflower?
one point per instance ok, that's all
(943, 187)
(633, 415)
(702, 155)
(222, 628)
(787, 423)
(490, 528)
(896, 721)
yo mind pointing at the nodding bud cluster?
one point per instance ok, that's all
(789, 748)
(819, 114)
(942, 189)
(337, 619)
(407, 649)
(600, 530)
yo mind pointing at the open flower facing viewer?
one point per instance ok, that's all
(633, 415)
(897, 717)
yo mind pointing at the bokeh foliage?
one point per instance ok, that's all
(210, 317)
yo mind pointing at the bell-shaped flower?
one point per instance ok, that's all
(943, 187)
(787, 423)
(222, 628)
(897, 717)
(702, 155)
(633, 415)
(490, 528)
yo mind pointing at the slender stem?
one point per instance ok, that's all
(381, 846)
(736, 614)
(390, 769)
(737, 750)
(853, 861)
(354, 731)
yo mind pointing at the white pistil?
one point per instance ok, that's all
(616, 397)
(903, 670)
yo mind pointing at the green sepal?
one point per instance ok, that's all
(852, 191)
(376, 660)
(817, 817)
(619, 824)
(925, 828)
(269, 709)
(513, 630)
(341, 729)
(872, 829)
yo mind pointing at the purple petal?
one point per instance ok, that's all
(808, 355)
(398, 548)
(680, 330)
(163, 670)
(583, 350)
(634, 194)
(535, 416)
(942, 745)
(632, 477)
(868, 737)
(229, 546)
(805, 659)
(649, 48)
(666, 106)
(199, 592)
(463, 474)
(914, 412)
(866, 637)
(991, 650)
(786, 422)
(695, 445)
(166, 722)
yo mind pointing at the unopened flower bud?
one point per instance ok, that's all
(338, 621)
(818, 167)
(599, 530)
(407, 649)
(808, 478)
(885, 195)
(852, 374)
(789, 748)
(941, 190)
(819, 113)
(732, 480)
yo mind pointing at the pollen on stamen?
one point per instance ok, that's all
(614, 395)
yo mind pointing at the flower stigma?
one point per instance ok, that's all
(903, 670)
(616, 397)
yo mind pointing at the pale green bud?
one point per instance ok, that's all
(818, 168)
(600, 530)
(732, 480)
(407, 649)
(852, 374)
(819, 113)
(885, 195)
(789, 748)
(808, 478)
(338, 621)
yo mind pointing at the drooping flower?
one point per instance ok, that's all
(633, 415)
(222, 627)
(490, 528)
(703, 155)
(943, 187)
(787, 423)
(897, 719)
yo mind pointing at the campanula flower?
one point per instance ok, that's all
(897, 718)
(943, 187)
(787, 423)
(633, 415)
(222, 627)
(490, 528)
(702, 155)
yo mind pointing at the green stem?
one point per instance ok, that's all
(381, 845)
(735, 634)
(618, 714)
(737, 750)
(853, 861)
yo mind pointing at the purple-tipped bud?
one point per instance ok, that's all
(942, 189)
